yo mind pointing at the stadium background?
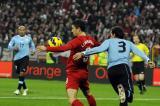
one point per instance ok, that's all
(46, 18)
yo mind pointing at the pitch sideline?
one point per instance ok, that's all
(64, 98)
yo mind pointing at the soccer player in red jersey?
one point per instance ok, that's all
(77, 72)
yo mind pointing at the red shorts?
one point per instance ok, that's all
(77, 79)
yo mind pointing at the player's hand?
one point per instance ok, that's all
(151, 64)
(16, 48)
(41, 48)
(77, 56)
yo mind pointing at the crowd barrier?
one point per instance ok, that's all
(97, 74)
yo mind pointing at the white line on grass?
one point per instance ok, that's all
(63, 98)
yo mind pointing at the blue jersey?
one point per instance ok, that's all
(25, 44)
(118, 51)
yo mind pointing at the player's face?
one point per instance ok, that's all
(75, 30)
(136, 39)
(21, 30)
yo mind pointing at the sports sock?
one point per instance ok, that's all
(139, 83)
(24, 85)
(143, 82)
(77, 103)
(91, 100)
(123, 104)
(20, 82)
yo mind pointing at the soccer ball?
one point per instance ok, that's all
(55, 41)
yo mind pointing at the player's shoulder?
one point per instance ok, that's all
(123, 40)
(116, 40)
(28, 36)
(15, 37)
(83, 38)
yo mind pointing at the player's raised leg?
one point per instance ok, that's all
(84, 86)
(72, 95)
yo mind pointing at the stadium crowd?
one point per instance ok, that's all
(46, 17)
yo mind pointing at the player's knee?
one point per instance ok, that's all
(71, 100)
(85, 92)
(136, 78)
(141, 76)
(22, 74)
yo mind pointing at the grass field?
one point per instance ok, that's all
(52, 93)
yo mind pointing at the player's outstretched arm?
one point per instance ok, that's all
(104, 46)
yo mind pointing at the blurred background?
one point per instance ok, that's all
(47, 18)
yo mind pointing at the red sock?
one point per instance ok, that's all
(77, 103)
(91, 100)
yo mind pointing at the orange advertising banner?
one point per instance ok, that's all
(5, 69)
(156, 77)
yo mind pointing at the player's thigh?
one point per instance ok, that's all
(138, 67)
(72, 86)
(135, 69)
(23, 65)
(120, 74)
(72, 82)
(113, 75)
(17, 66)
(126, 79)
(84, 86)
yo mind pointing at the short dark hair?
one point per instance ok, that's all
(118, 31)
(79, 24)
(139, 37)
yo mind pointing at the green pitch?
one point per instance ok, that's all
(53, 93)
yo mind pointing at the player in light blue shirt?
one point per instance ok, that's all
(22, 45)
(118, 63)
(118, 51)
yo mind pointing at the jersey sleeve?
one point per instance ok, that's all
(69, 46)
(103, 47)
(138, 52)
(11, 44)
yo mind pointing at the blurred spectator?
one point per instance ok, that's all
(6, 55)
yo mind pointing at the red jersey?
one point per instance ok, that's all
(78, 44)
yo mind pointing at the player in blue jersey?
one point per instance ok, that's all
(22, 45)
(118, 63)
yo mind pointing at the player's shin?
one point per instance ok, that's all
(77, 103)
(20, 82)
(91, 100)
(139, 83)
(123, 104)
(24, 85)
